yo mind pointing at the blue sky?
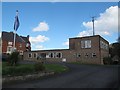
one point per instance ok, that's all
(51, 24)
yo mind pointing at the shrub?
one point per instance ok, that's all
(39, 66)
(13, 58)
(107, 60)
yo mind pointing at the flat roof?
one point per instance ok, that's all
(89, 37)
(48, 50)
(85, 37)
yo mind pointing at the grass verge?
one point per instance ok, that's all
(23, 69)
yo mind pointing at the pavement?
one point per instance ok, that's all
(79, 76)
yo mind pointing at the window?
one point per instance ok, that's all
(78, 55)
(58, 55)
(86, 55)
(86, 44)
(82, 44)
(9, 43)
(103, 45)
(20, 45)
(35, 55)
(51, 55)
(93, 54)
(9, 49)
(20, 52)
(30, 55)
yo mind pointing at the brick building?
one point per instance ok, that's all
(22, 43)
(90, 49)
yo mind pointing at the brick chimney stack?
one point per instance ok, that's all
(28, 37)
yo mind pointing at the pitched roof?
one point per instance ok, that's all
(25, 39)
(9, 36)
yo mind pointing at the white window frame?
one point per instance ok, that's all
(57, 54)
(52, 54)
(35, 54)
(86, 44)
(29, 54)
(9, 49)
(82, 44)
(86, 55)
(10, 43)
(78, 55)
(94, 54)
(20, 52)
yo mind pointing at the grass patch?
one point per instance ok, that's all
(56, 68)
(23, 69)
(17, 70)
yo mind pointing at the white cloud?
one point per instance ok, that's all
(38, 39)
(66, 43)
(0, 34)
(39, 47)
(42, 26)
(106, 24)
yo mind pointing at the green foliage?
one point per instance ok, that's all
(115, 49)
(17, 70)
(107, 60)
(39, 66)
(23, 69)
(13, 58)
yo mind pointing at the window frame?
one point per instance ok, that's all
(58, 53)
(29, 54)
(35, 55)
(86, 44)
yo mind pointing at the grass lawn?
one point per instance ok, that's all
(23, 69)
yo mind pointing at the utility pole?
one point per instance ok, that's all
(93, 19)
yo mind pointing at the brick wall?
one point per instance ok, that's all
(93, 54)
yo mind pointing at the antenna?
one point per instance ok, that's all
(93, 19)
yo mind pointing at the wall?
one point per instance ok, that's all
(95, 53)
(5, 45)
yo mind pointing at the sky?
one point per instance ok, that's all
(51, 24)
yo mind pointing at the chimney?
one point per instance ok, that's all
(28, 37)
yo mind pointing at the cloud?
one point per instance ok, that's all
(66, 43)
(42, 26)
(0, 34)
(106, 24)
(38, 39)
(39, 47)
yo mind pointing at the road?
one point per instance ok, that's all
(79, 76)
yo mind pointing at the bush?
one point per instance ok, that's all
(5, 57)
(39, 66)
(107, 60)
(13, 58)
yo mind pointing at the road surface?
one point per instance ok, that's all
(79, 76)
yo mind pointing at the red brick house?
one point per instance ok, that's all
(22, 43)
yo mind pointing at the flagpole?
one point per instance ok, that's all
(16, 25)
(14, 40)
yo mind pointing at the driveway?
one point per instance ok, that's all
(79, 76)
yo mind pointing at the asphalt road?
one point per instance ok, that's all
(79, 76)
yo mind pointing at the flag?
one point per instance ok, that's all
(16, 23)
